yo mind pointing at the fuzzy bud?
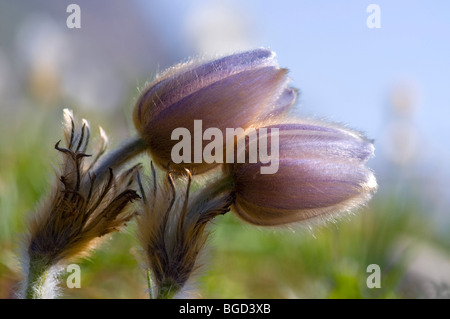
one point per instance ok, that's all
(235, 91)
(321, 173)
(172, 228)
(78, 211)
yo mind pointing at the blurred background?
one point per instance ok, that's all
(392, 83)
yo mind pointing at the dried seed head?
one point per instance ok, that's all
(79, 210)
(321, 173)
(171, 228)
(235, 91)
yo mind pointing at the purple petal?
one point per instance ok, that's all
(236, 101)
(168, 90)
(303, 140)
(321, 171)
(283, 104)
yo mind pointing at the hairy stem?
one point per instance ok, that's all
(149, 282)
(119, 156)
(40, 283)
(167, 290)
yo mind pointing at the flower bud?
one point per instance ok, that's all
(235, 91)
(321, 173)
(79, 210)
(172, 228)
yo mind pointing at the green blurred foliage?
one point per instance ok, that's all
(240, 261)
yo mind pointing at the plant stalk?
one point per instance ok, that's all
(40, 283)
(119, 156)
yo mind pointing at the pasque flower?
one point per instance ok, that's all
(235, 91)
(77, 212)
(315, 170)
(321, 173)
